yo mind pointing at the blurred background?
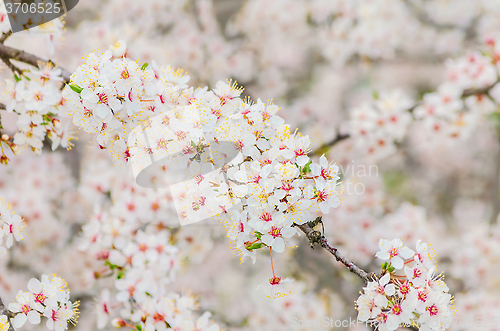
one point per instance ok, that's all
(322, 61)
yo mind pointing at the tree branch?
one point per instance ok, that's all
(324, 146)
(8, 53)
(5, 35)
(316, 237)
(4, 311)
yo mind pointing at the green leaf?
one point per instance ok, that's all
(120, 275)
(495, 118)
(138, 327)
(144, 66)
(17, 78)
(111, 266)
(255, 246)
(375, 94)
(258, 235)
(76, 88)
(391, 269)
(307, 168)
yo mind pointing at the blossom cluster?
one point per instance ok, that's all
(49, 298)
(132, 240)
(269, 182)
(377, 127)
(270, 177)
(409, 292)
(453, 111)
(38, 102)
(450, 112)
(109, 96)
(11, 226)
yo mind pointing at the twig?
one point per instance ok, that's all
(5, 311)
(323, 147)
(4, 36)
(10, 53)
(424, 19)
(316, 237)
(475, 91)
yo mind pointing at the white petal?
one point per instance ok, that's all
(385, 279)
(383, 255)
(382, 244)
(315, 169)
(397, 262)
(390, 289)
(267, 239)
(381, 301)
(34, 286)
(34, 317)
(19, 320)
(279, 245)
(302, 160)
(407, 253)
(10, 241)
(102, 111)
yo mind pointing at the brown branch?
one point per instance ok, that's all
(5, 311)
(4, 36)
(323, 148)
(316, 237)
(475, 91)
(422, 17)
(10, 53)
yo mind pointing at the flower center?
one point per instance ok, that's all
(25, 309)
(125, 74)
(396, 309)
(404, 289)
(275, 280)
(433, 310)
(382, 317)
(266, 217)
(275, 232)
(40, 297)
(321, 196)
(393, 252)
(325, 173)
(55, 315)
(103, 98)
(422, 296)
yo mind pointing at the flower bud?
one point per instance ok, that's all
(4, 160)
(118, 323)
(16, 149)
(5, 137)
(56, 123)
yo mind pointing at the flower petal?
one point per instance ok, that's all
(383, 255)
(407, 253)
(397, 262)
